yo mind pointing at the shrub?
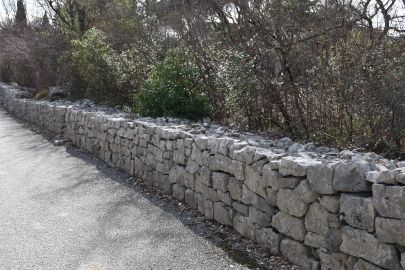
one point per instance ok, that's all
(173, 89)
(93, 58)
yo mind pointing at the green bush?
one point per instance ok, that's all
(93, 59)
(173, 89)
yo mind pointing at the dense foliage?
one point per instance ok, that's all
(329, 71)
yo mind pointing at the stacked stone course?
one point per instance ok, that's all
(319, 211)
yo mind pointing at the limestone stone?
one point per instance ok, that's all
(238, 169)
(289, 182)
(390, 230)
(297, 253)
(259, 217)
(289, 225)
(364, 265)
(357, 211)
(221, 163)
(318, 220)
(304, 193)
(336, 261)
(209, 193)
(191, 198)
(296, 166)
(241, 208)
(243, 226)
(224, 197)
(289, 203)
(220, 181)
(268, 238)
(331, 203)
(270, 177)
(359, 243)
(331, 242)
(245, 154)
(254, 181)
(221, 214)
(204, 176)
(178, 192)
(320, 178)
(403, 260)
(251, 198)
(350, 176)
(271, 196)
(389, 201)
(209, 209)
(381, 177)
(235, 189)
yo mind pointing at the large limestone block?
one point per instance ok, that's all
(297, 253)
(221, 214)
(361, 244)
(318, 219)
(270, 177)
(289, 225)
(350, 176)
(251, 198)
(389, 201)
(259, 217)
(220, 181)
(320, 177)
(221, 163)
(390, 230)
(289, 203)
(296, 166)
(254, 180)
(336, 261)
(357, 211)
(242, 225)
(363, 265)
(268, 238)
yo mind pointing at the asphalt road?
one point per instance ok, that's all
(62, 211)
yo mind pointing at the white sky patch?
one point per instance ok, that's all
(8, 8)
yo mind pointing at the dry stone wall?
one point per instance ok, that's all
(320, 210)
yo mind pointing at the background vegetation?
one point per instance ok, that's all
(332, 71)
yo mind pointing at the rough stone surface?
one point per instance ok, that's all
(350, 177)
(364, 265)
(320, 178)
(390, 230)
(389, 201)
(361, 244)
(357, 211)
(268, 238)
(289, 225)
(298, 254)
(289, 203)
(221, 214)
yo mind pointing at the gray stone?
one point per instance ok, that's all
(361, 244)
(178, 192)
(221, 163)
(296, 166)
(317, 219)
(191, 199)
(245, 154)
(268, 238)
(209, 209)
(389, 201)
(238, 169)
(270, 177)
(271, 196)
(251, 198)
(220, 181)
(289, 225)
(363, 265)
(350, 177)
(381, 177)
(284, 142)
(259, 217)
(242, 225)
(204, 176)
(336, 261)
(289, 182)
(254, 181)
(357, 211)
(331, 242)
(331, 203)
(390, 230)
(289, 203)
(221, 214)
(304, 192)
(403, 260)
(297, 253)
(320, 178)
(235, 189)
(241, 208)
(224, 197)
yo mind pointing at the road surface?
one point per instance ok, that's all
(59, 210)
